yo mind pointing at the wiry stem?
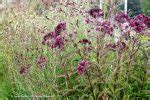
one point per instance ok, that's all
(89, 80)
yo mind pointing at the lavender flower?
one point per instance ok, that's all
(60, 27)
(96, 13)
(122, 17)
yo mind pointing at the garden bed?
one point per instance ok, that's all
(74, 51)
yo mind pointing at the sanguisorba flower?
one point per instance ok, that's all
(82, 67)
(121, 17)
(60, 27)
(96, 13)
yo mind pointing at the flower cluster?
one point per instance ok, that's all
(96, 13)
(122, 17)
(137, 25)
(42, 62)
(140, 23)
(55, 39)
(82, 67)
(107, 28)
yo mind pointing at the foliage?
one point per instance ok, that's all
(65, 53)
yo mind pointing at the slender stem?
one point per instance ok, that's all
(88, 77)
(116, 76)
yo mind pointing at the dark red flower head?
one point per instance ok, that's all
(96, 13)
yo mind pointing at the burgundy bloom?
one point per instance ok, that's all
(96, 13)
(122, 17)
(82, 67)
(137, 25)
(60, 27)
(107, 28)
(22, 70)
(42, 61)
(85, 41)
(144, 19)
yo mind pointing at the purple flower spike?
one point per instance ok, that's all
(60, 27)
(96, 13)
